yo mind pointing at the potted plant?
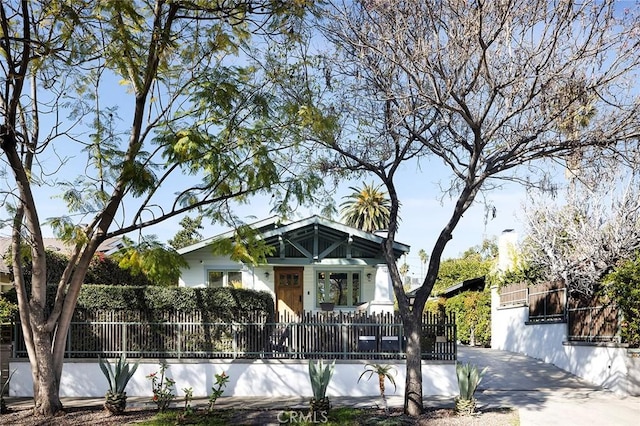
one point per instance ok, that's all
(118, 377)
(327, 306)
(469, 377)
(320, 375)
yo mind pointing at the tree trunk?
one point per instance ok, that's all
(46, 389)
(413, 393)
(472, 336)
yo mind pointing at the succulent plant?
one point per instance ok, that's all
(118, 377)
(469, 377)
(320, 375)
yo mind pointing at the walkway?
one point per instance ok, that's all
(544, 394)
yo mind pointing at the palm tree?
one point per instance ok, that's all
(367, 208)
(423, 262)
(383, 372)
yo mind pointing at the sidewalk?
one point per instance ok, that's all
(546, 395)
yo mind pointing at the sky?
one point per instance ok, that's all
(425, 209)
(424, 212)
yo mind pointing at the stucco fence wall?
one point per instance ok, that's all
(260, 378)
(608, 365)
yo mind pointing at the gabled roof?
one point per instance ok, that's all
(472, 284)
(57, 245)
(313, 239)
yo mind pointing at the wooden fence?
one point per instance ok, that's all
(588, 319)
(310, 335)
(593, 319)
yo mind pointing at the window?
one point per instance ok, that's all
(224, 279)
(341, 288)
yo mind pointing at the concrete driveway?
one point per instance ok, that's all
(544, 394)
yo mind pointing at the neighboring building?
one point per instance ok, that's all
(315, 260)
(472, 284)
(6, 283)
(53, 244)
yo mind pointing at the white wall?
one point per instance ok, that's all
(254, 278)
(268, 378)
(609, 366)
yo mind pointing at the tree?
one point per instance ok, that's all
(160, 108)
(623, 287)
(189, 234)
(366, 208)
(159, 264)
(581, 237)
(470, 265)
(472, 308)
(423, 261)
(478, 87)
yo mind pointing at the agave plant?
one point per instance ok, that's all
(469, 377)
(118, 376)
(320, 375)
(383, 372)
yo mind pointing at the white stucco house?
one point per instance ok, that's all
(315, 260)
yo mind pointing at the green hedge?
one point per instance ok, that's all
(154, 302)
(473, 313)
(181, 299)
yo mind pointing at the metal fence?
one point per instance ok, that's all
(310, 335)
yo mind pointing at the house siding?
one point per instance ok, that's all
(254, 277)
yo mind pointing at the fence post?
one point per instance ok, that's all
(234, 343)
(68, 349)
(179, 338)
(14, 343)
(123, 350)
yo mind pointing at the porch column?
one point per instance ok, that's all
(383, 292)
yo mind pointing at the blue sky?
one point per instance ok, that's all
(425, 209)
(424, 213)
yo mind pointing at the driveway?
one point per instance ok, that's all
(544, 394)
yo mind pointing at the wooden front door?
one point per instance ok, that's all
(288, 290)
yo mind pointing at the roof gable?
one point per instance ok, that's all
(313, 239)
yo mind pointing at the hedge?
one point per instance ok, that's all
(182, 299)
(154, 302)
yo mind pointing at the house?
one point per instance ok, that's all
(108, 247)
(315, 260)
(471, 284)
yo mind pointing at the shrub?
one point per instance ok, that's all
(8, 310)
(622, 286)
(105, 270)
(473, 315)
(225, 301)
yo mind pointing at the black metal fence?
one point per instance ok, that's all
(311, 335)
